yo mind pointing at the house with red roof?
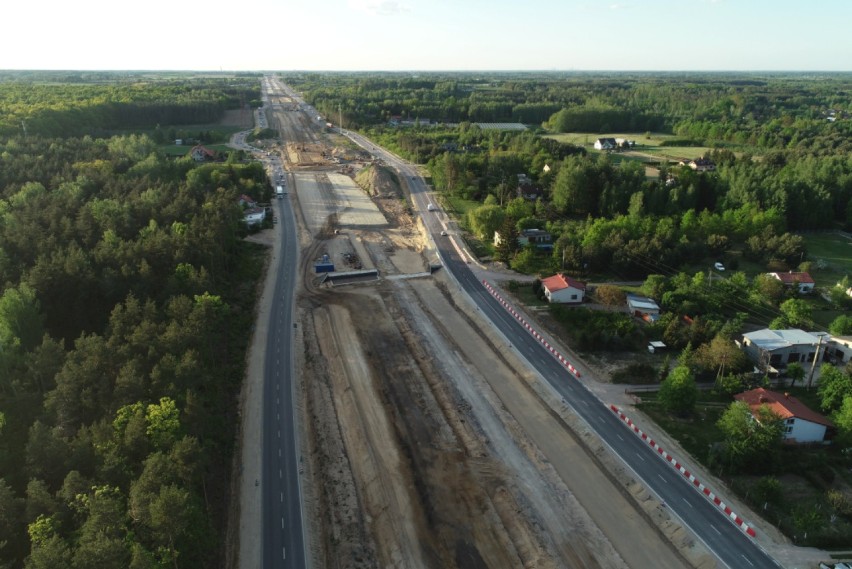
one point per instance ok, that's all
(563, 289)
(801, 424)
(803, 280)
(200, 153)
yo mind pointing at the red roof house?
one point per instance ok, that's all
(804, 280)
(801, 423)
(200, 153)
(562, 288)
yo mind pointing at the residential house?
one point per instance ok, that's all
(701, 165)
(643, 307)
(605, 144)
(254, 215)
(803, 280)
(246, 201)
(540, 238)
(771, 350)
(801, 424)
(529, 191)
(839, 349)
(563, 289)
(201, 154)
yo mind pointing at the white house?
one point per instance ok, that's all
(804, 280)
(254, 215)
(801, 424)
(563, 289)
(605, 144)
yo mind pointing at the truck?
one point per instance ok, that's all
(279, 192)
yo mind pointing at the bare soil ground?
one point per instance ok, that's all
(415, 455)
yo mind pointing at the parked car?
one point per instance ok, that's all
(719, 267)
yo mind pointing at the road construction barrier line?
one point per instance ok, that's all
(532, 331)
(686, 474)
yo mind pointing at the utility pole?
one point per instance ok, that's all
(813, 363)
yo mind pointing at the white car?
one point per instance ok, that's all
(719, 267)
(443, 232)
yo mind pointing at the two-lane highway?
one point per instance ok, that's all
(283, 537)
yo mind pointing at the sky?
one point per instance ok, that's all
(428, 35)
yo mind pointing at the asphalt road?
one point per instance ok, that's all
(283, 539)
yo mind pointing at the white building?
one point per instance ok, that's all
(563, 289)
(801, 424)
(254, 215)
(777, 348)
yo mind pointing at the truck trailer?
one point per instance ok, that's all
(279, 192)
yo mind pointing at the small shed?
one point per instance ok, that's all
(643, 307)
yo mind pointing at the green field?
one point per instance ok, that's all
(835, 250)
(647, 149)
(173, 150)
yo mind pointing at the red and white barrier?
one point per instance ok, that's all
(687, 474)
(531, 330)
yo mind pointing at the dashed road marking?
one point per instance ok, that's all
(663, 478)
(687, 502)
(642, 458)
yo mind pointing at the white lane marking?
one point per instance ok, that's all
(277, 402)
(601, 419)
(278, 416)
(279, 453)
(283, 553)
(282, 523)
(716, 530)
(280, 474)
(279, 433)
(584, 402)
(687, 502)
(663, 478)
(642, 458)
(746, 558)
(620, 438)
(282, 497)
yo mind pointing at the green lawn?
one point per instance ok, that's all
(173, 150)
(647, 149)
(835, 250)
(588, 139)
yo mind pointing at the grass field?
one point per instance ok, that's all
(173, 150)
(647, 149)
(834, 249)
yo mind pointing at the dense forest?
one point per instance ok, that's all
(50, 105)
(126, 303)
(765, 111)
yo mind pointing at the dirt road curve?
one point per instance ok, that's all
(428, 445)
